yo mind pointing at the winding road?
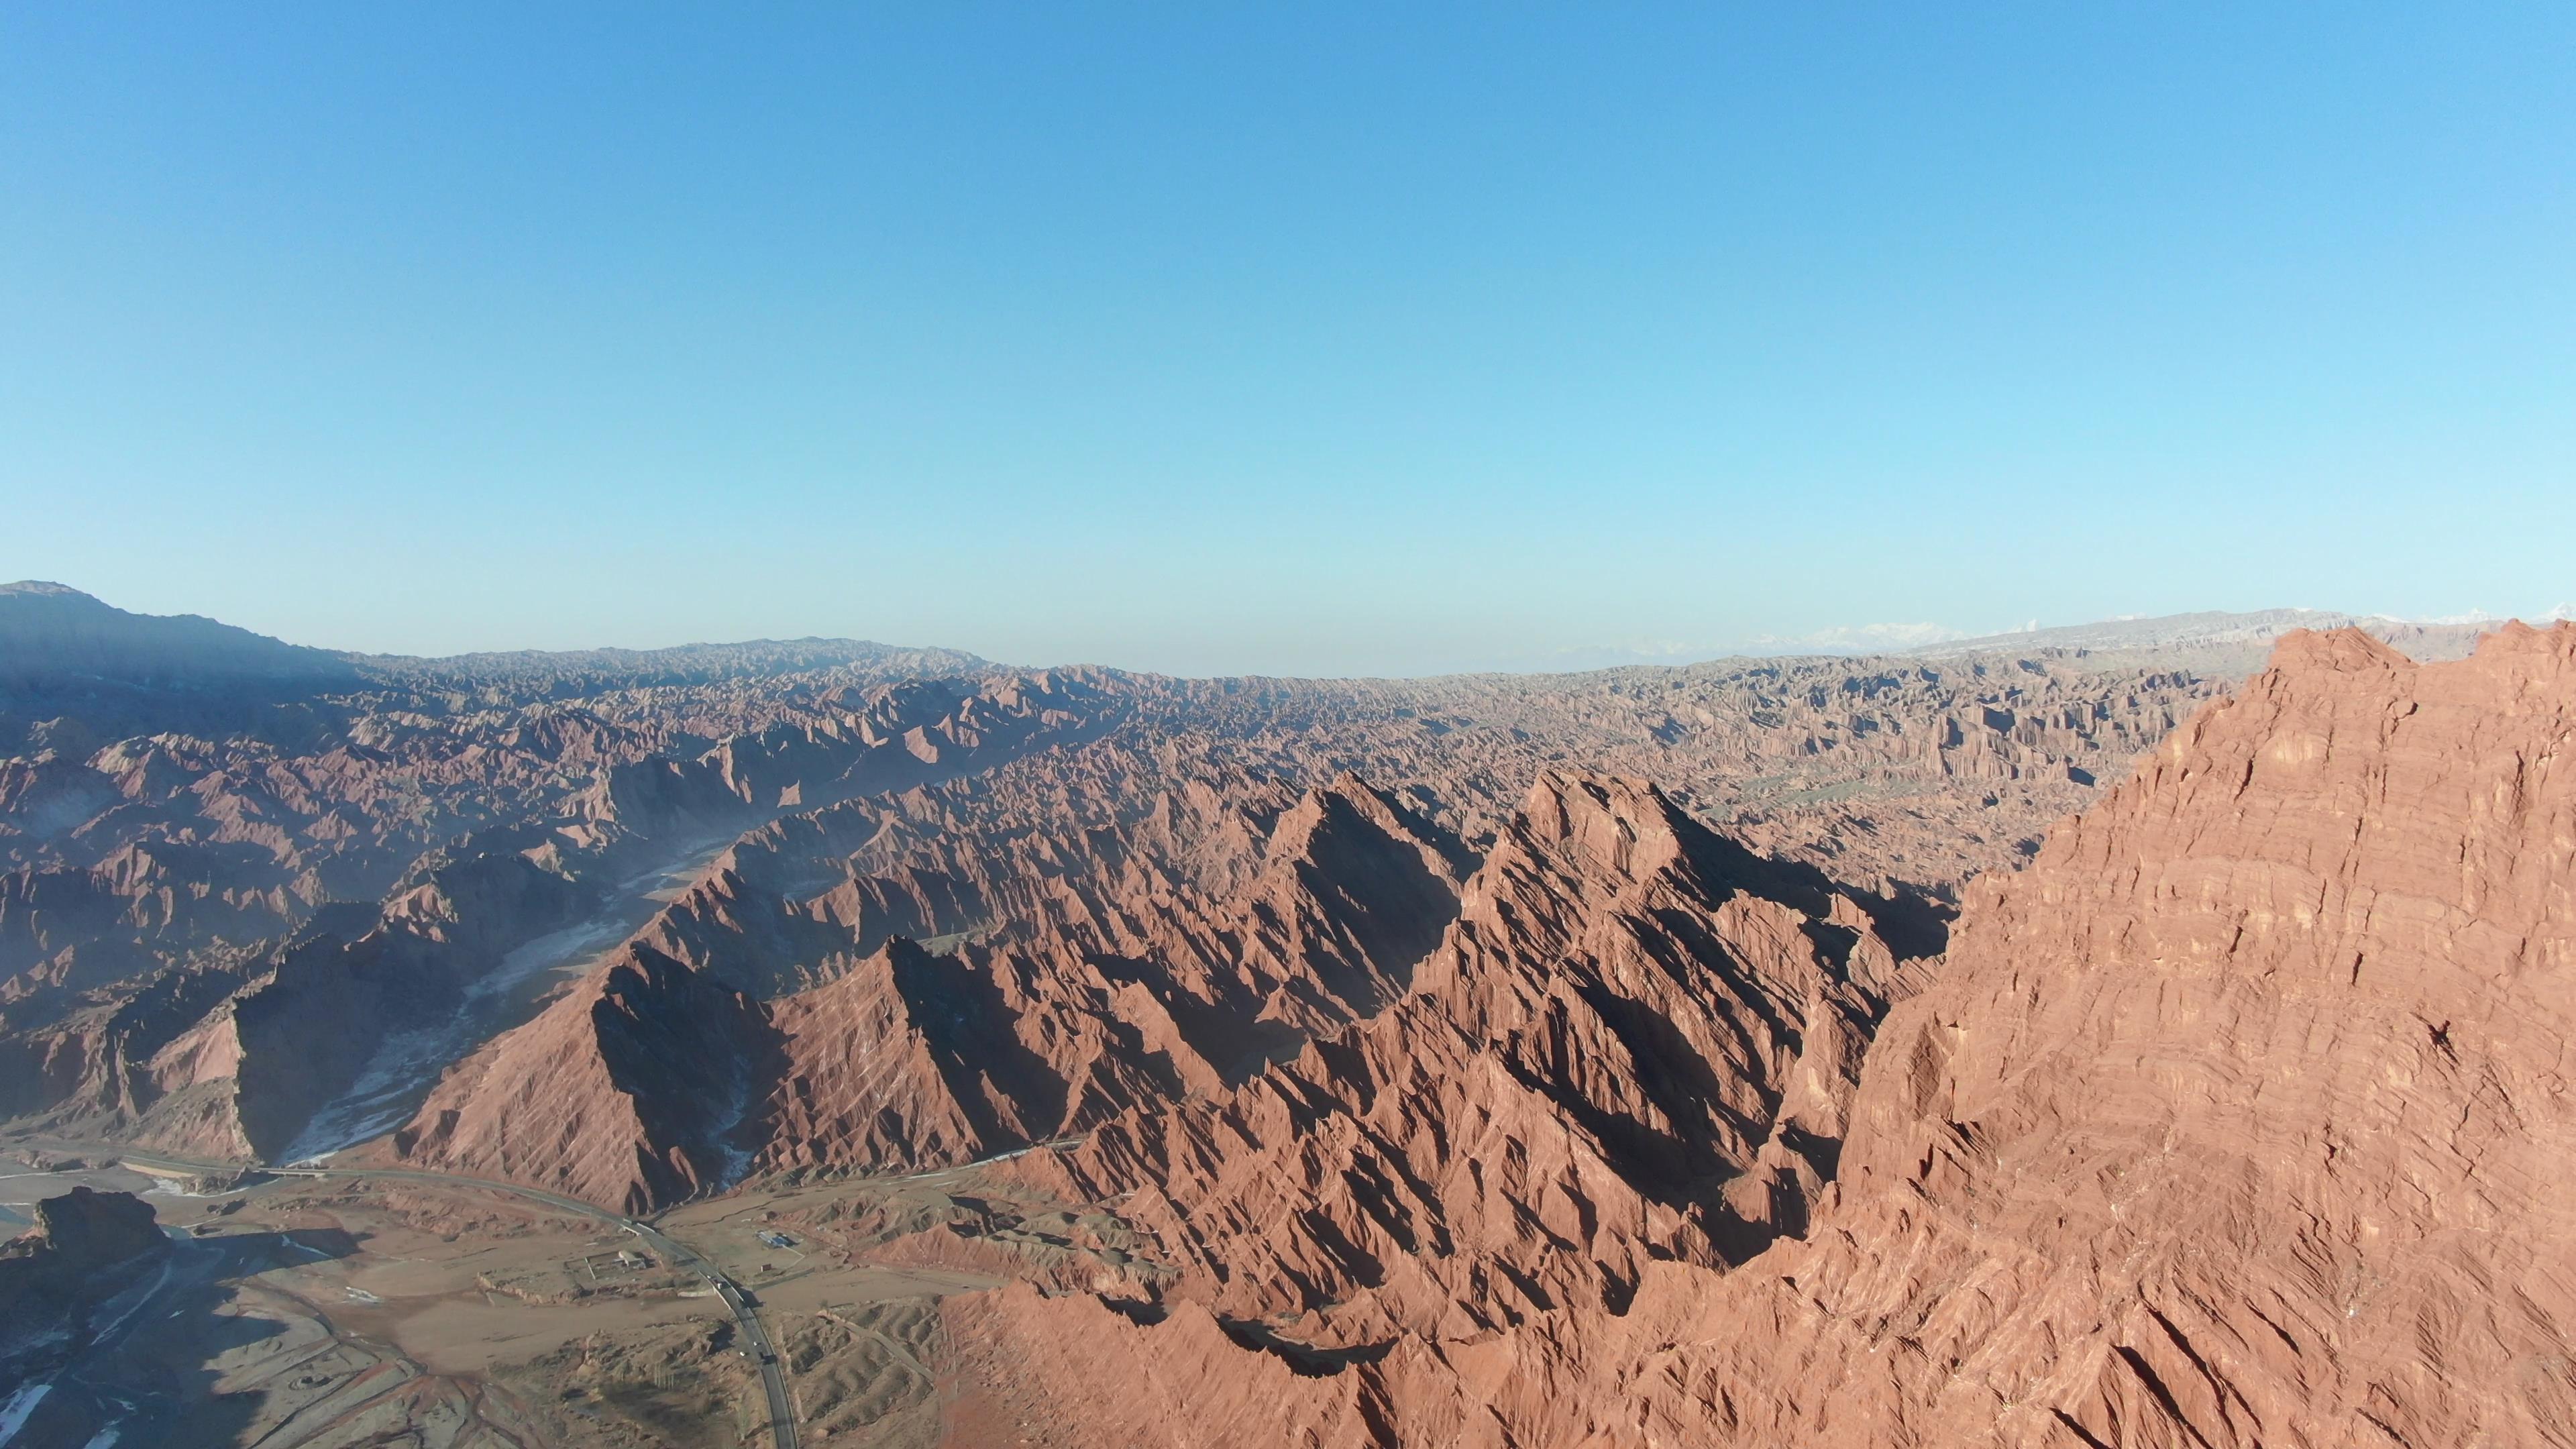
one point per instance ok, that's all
(746, 1312)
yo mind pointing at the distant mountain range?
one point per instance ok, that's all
(55, 635)
(2202, 629)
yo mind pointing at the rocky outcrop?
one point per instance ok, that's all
(2239, 1109)
(1636, 1044)
(223, 1058)
(1023, 819)
(92, 1229)
(54, 1271)
(177, 990)
(2234, 1120)
(232, 1054)
(1892, 774)
(1123, 982)
(623, 1092)
(908, 1059)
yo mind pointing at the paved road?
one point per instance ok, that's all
(746, 1314)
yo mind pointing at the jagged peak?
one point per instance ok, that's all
(1293, 836)
(2516, 637)
(2346, 650)
(899, 957)
(1619, 824)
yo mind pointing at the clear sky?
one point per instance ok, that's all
(1295, 339)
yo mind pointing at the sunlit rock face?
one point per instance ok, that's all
(2236, 1118)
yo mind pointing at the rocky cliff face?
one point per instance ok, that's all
(623, 1092)
(84, 1242)
(2236, 1119)
(196, 988)
(161, 837)
(1636, 1044)
(1887, 773)
(1456, 1111)
(1124, 980)
(2239, 1109)
(91, 1229)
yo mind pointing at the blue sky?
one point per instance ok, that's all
(1308, 339)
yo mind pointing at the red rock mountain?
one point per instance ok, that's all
(2238, 1118)
(1124, 983)
(254, 910)
(240, 1000)
(1636, 1044)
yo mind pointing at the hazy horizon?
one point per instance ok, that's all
(1848, 642)
(1332, 343)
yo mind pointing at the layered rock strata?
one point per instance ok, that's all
(2236, 1119)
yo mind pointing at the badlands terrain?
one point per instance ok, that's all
(2141, 1034)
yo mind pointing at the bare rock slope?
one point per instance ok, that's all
(238, 898)
(667, 1072)
(1636, 1044)
(201, 988)
(2239, 1118)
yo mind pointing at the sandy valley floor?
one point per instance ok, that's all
(296, 1314)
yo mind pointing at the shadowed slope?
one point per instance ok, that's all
(1123, 986)
(1635, 1043)
(2237, 1119)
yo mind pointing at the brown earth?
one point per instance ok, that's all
(214, 897)
(1155, 915)
(354, 1315)
(2235, 1119)
(208, 987)
(1391, 1098)
(1131, 989)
